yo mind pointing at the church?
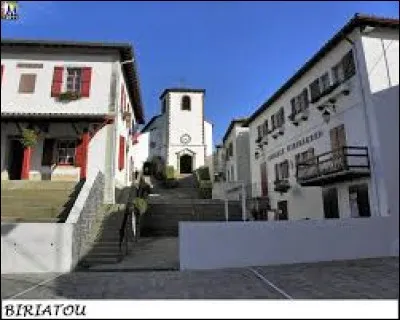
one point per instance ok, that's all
(179, 136)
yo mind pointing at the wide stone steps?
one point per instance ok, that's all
(163, 219)
(36, 201)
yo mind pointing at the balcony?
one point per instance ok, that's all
(339, 165)
(282, 186)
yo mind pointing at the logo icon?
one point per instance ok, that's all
(9, 10)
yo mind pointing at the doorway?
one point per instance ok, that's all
(283, 210)
(16, 155)
(186, 164)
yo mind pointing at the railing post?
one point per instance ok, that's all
(243, 202)
(226, 203)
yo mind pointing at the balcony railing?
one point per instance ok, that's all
(282, 185)
(338, 165)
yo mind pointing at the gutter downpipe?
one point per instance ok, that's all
(371, 151)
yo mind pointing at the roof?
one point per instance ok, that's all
(181, 90)
(242, 121)
(357, 21)
(150, 122)
(125, 51)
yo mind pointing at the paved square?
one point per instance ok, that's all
(357, 279)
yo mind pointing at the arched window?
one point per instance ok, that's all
(186, 103)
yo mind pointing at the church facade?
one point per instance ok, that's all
(179, 136)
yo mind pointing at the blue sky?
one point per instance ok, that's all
(240, 52)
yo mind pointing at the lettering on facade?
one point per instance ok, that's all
(297, 144)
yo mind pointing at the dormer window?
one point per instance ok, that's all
(186, 103)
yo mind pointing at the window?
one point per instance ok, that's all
(186, 103)
(27, 83)
(278, 119)
(325, 83)
(331, 206)
(304, 156)
(315, 90)
(74, 80)
(345, 69)
(265, 128)
(259, 132)
(300, 102)
(282, 170)
(359, 201)
(66, 152)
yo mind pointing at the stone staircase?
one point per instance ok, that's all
(102, 247)
(169, 206)
(37, 201)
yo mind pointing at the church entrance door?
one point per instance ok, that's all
(186, 164)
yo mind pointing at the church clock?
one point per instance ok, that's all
(185, 139)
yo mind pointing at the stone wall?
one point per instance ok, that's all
(93, 197)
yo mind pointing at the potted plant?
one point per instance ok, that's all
(69, 96)
(29, 138)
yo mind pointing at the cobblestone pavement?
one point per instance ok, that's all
(358, 279)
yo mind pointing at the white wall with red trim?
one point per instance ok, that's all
(50, 81)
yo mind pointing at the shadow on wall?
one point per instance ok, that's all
(71, 201)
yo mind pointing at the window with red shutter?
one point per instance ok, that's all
(86, 80)
(57, 81)
(121, 160)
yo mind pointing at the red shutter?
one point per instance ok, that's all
(57, 81)
(86, 79)
(121, 160)
(79, 154)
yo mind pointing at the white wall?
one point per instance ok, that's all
(381, 50)
(214, 245)
(36, 247)
(41, 101)
(140, 150)
(208, 138)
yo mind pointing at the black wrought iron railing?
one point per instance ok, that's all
(347, 158)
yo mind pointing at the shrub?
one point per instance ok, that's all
(169, 172)
(171, 183)
(205, 193)
(140, 205)
(29, 138)
(203, 173)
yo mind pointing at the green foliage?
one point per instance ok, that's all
(169, 172)
(140, 204)
(29, 138)
(171, 183)
(204, 184)
(203, 173)
(69, 96)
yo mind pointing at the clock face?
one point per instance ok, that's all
(185, 139)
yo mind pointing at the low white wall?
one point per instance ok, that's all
(36, 247)
(213, 245)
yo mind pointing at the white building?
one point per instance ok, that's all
(325, 145)
(236, 162)
(179, 136)
(83, 101)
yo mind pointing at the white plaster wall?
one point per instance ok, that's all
(243, 154)
(97, 153)
(199, 155)
(381, 50)
(36, 247)
(181, 121)
(140, 150)
(214, 245)
(41, 101)
(208, 138)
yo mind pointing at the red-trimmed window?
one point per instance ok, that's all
(121, 159)
(76, 80)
